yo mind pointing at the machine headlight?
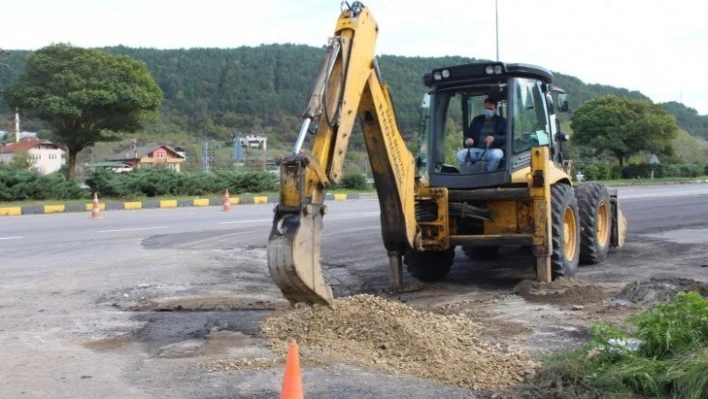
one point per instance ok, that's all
(437, 76)
(489, 70)
(445, 73)
(498, 69)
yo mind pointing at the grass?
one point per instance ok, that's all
(670, 361)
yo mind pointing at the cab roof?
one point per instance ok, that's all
(484, 71)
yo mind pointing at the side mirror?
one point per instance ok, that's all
(426, 101)
(562, 137)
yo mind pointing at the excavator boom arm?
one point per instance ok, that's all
(348, 86)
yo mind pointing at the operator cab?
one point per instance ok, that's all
(520, 98)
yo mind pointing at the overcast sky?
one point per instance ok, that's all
(659, 47)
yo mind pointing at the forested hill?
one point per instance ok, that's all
(264, 88)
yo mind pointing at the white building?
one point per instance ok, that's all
(253, 141)
(46, 156)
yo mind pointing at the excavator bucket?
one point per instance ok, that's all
(294, 257)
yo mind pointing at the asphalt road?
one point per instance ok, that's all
(679, 204)
(68, 281)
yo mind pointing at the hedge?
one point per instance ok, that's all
(157, 182)
(643, 171)
(18, 185)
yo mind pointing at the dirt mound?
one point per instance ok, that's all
(365, 330)
(657, 290)
(561, 291)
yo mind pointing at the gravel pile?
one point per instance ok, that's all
(366, 330)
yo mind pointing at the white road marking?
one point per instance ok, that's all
(248, 221)
(134, 229)
(10, 238)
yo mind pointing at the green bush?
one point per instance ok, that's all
(155, 182)
(600, 172)
(19, 185)
(591, 172)
(670, 359)
(642, 171)
(353, 181)
(662, 170)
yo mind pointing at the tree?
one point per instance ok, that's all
(86, 96)
(1, 63)
(21, 160)
(623, 127)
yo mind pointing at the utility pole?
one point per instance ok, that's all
(206, 158)
(496, 13)
(205, 155)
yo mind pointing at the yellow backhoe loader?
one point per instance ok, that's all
(432, 203)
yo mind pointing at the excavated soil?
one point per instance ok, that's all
(658, 290)
(366, 330)
(561, 292)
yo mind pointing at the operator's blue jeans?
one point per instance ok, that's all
(494, 156)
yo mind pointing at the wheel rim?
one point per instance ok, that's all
(570, 237)
(603, 223)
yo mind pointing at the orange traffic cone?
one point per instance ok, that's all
(292, 381)
(96, 212)
(227, 202)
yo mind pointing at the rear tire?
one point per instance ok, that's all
(429, 266)
(565, 231)
(481, 253)
(595, 222)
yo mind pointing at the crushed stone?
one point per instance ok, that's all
(659, 290)
(370, 331)
(562, 291)
(243, 364)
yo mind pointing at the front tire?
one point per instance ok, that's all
(595, 222)
(565, 231)
(429, 266)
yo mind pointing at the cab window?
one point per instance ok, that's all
(529, 124)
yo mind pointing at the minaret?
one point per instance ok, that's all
(17, 125)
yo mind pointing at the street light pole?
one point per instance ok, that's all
(496, 12)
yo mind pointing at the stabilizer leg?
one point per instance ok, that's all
(395, 270)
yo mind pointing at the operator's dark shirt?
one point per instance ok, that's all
(482, 127)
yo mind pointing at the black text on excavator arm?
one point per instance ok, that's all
(348, 85)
